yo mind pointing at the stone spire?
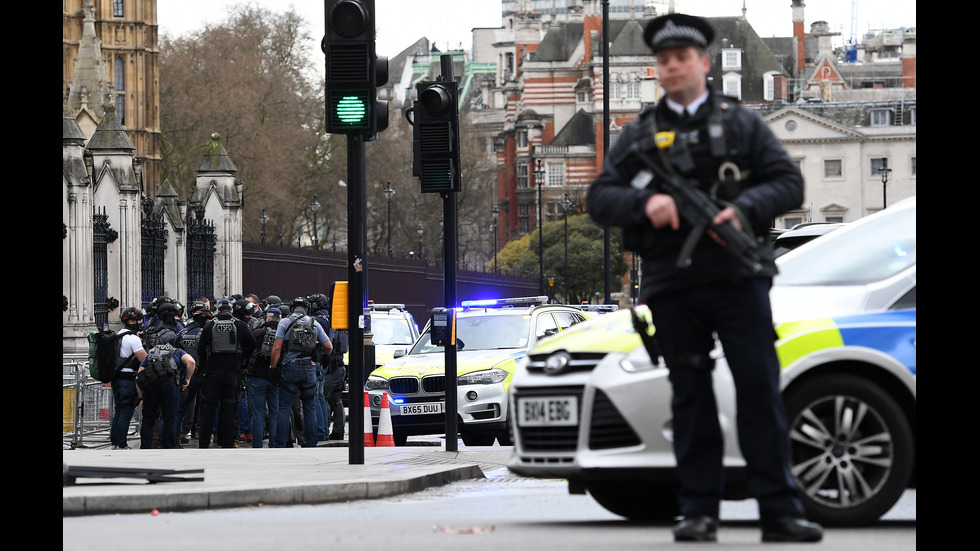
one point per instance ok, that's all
(89, 88)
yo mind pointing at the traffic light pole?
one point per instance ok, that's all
(449, 254)
(361, 347)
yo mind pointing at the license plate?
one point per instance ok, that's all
(557, 411)
(422, 409)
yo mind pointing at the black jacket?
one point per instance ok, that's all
(771, 185)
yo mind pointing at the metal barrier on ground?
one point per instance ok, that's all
(87, 406)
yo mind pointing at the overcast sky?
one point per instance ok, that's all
(401, 22)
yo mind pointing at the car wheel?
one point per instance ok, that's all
(636, 499)
(471, 439)
(851, 449)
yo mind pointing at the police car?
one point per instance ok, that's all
(492, 336)
(591, 407)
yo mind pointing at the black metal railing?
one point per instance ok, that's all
(153, 255)
(200, 257)
(102, 235)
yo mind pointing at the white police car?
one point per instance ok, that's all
(590, 406)
(491, 337)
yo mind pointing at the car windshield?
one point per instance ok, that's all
(483, 333)
(861, 254)
(390, 330)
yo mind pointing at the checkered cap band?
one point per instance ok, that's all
(674, 32)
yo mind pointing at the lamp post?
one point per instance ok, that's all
(264, 219)
(538, 178)
(420, 230)
(565, 203)
(388, 193)
(884, 170)
(496, 214)
(316, 208)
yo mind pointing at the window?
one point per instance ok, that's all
(769, 86)
(523, 218)
(583, 96)
(556, 174)
(117, 8)
(522, 138)
(912, 116)
(788, 223)
(615, 90)
(913, 166)
(633, 90)
(731, 59)
(881, 117)
(832, 168)
(835, 219)
(522, 176)
(119, 85)
(732, 85)
(876, 165)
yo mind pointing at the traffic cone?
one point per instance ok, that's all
(368, 428)
(386, 436)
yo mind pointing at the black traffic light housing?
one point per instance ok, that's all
(436, 136)
(354, 71)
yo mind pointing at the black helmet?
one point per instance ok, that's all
(168, 312)
(200, 312)
(132, 314)
(242, 308)
(300, 301)
(319, 301)
(273, 301)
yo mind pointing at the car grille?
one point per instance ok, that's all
(581, 361)
(549, 439)
(609, 427)
(435, 384)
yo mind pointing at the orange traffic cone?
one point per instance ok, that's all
(386, 436)
(368, 429)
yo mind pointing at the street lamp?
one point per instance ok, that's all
(421, 230)
(388, 193)
(316, 208)
(884, 170)
(565, 203)
(264, 219)
(538, 178)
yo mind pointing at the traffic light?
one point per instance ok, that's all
(354, 71)
(436, 136)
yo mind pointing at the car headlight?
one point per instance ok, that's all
(486, 377)
(376, 383)
(636, 362)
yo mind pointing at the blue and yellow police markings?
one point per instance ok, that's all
(890, 332)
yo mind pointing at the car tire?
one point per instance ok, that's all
(852, 478)
(476, 439)
(637, 500)
(399, 437)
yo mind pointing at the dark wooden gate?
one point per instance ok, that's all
(289, 272)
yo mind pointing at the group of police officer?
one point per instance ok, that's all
(238, 362)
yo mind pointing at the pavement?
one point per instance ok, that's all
(252, 477)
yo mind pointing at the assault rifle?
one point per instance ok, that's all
(695, 207)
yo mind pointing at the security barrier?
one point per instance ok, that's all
(87, 406)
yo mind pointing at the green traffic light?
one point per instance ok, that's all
(351, 110)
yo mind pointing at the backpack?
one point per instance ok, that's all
(301, 335)
(156, 335)
(267, 342)
(224, 336)
(160, 366)
(103, 354)
(188, 339)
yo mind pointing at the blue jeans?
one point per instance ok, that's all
(297, 377)
(163, 398)
(322, 411)
(243, 412)
(262, 393)
(124, 399)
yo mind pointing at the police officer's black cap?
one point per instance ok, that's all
(677, 30)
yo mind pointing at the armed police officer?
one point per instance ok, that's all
(692, 282)
(224, 345)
